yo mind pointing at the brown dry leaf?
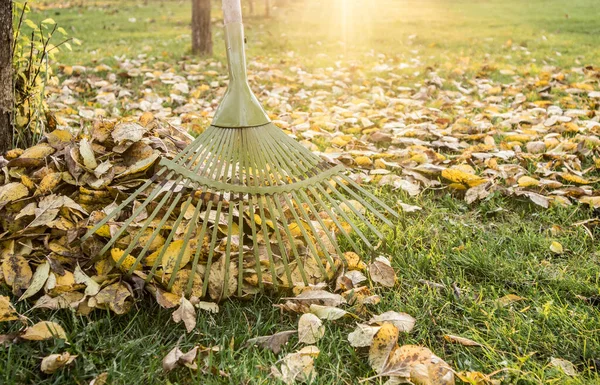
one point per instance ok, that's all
(92, 287)
(44, 330)
(298, 366)
(53, 362)
(100, 379)
(176, 358)
(382, 272)
(7, 311)
(186, 313)
(461, 340)
(273, 342)
(310, 329)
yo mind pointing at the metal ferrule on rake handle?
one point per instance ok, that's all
(239, 107)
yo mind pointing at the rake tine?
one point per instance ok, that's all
(134, 242)
(127, 201)
(137, 212)
(334, 218)
(306, 236)
(251, 214)
(267, 243)
(366, 203)
(292, 243)
(191, 228)
(211, 250)
(224, 290)
(355, 210)
(240, 244)
(372, 196)
(255, 243)
(335, 206)
(312, 227)
(164, 247)
(199, 248)
(283, 250)
(174, 230)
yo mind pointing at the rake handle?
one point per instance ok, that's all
(232, 11)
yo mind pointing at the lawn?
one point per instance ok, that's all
(480, 255)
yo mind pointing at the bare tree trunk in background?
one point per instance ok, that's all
(251, 5)
(267, 8)
(6, 81)
(201, 34)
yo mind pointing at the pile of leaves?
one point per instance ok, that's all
(51, 194)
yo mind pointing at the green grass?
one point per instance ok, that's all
(488, 250)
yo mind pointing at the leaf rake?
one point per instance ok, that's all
(246, 174)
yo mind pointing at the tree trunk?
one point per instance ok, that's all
(201, 34)
(6, 80)
(251, 5)
(267, 8)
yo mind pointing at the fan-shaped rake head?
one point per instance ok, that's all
(241, 208)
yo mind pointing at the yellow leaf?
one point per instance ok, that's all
(115, 297)
(171, 255)
(7, 311)
(363, 161)
(459, 176)
(39, 151)
(13, 191)
(49, 182)
(591, 201)
(44, 330)
(574, 178)
(116, 255)
(527, 181)
(556, 247)
(17, 273)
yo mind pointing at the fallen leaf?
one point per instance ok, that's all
(7, 311)
(460, 340)
(381, 272)
(363, 335)
(44, 330)
(186, 313)
(327, 312)
(273, 342)
(37, 281)
(556, 247)
(566, 366)
(298, 366)
(53, 362)
(310, 329)
(402, 321)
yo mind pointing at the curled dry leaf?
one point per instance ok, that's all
(186, 313)
(53, 362)
(310, 329)
(319, 297)
(273, 342)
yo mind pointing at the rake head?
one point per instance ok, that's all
(243, 206)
